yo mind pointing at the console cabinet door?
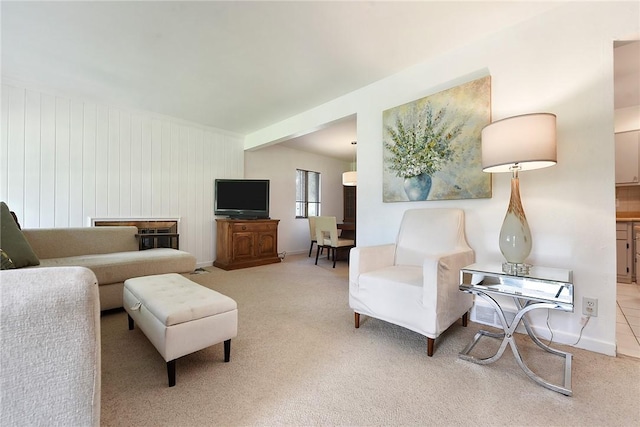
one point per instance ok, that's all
(246, 243)
(266, 244)
(242, 244)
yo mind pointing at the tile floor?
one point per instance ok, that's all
(628, 319)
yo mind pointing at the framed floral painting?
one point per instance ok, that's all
(432, 145)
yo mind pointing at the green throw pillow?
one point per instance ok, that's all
(13, 242)
(7, 264)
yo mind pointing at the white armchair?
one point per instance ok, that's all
(414, 282)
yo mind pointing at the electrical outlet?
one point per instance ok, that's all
(590, 306)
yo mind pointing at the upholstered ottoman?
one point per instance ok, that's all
(179, 316)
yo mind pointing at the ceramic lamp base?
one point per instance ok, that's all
(515, 236)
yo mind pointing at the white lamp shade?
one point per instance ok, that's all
(350, 179)
(528, 141)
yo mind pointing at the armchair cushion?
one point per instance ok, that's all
(394, 278)
(432, 232)
(395, 285)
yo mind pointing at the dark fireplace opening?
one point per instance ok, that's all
(151, 233)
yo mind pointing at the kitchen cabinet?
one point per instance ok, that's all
(624, 252)
(628, 158)
(246, 243)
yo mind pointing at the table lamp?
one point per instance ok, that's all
(517, 144)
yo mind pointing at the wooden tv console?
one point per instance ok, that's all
(242, 243)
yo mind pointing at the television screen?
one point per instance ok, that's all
(242, 198)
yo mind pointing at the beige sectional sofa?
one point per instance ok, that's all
(112, 253)
(49, 347)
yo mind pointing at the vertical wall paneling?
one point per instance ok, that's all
(89, 131)
(198, 188)
(207, 195)
(174, 168)
(62, 165)
(76, 156)
(47, 160)
(136, 165)
(190, 187)
(156, 166)
(165, 166)
(146, 168)
(65, 161)
(102, 161)
(31, 217)
(125, 165)
(182, 179)
(113, 164)
(218, 171)
(15, 156)
(4, 146)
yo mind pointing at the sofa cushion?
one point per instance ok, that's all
(77, 241)
(13, 242)
(120, 266)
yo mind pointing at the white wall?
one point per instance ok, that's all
(560, 62)
(65, 160)
(279, 164)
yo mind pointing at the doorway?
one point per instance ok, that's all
(627, 129)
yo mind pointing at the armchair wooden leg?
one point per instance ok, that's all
(430, 344)
(310, 249)
(465, 319)
(317, 253)
(357, 319)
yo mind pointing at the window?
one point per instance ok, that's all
(307, 193)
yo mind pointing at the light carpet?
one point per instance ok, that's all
(298, 360)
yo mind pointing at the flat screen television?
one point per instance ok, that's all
(242, 198)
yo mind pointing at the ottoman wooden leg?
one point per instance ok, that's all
(227, 350)
(130, 322)
(171, 372)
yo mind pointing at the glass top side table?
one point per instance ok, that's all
(542, 287)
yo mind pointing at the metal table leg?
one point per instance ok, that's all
(508, 338)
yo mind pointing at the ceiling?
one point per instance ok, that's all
(238, 66)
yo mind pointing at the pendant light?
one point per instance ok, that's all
(350, 179)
